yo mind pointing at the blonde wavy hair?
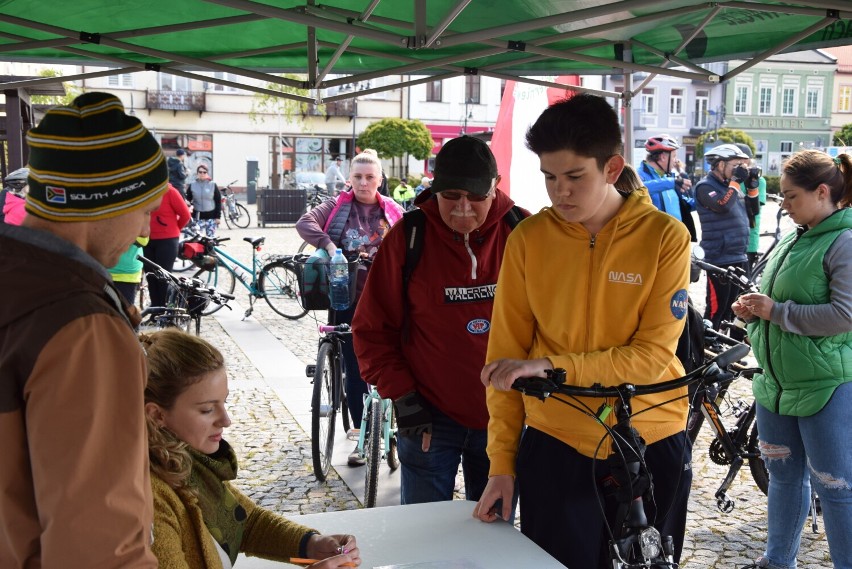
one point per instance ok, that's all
(176, 361)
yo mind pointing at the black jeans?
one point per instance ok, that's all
(559, 498)
(163, 252)
(721, 294)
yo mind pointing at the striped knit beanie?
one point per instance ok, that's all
(91, 161)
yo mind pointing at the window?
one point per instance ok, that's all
(788, 100)
(471, 89)
(433, 91)
(786, 146)
(676, 102)
(844, 99)
(702, 105)
(173, 82)
(741, 102)
(226, 77)
(123, 80)
(649, 101)
(767, 105)
(813, 101)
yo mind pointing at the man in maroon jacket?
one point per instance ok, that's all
(423, 344)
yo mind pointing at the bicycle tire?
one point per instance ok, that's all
(279, 285)
(181, 265)
(344, 406)
(391, 455)
(306, 248)
(219, 278)
(227, 216)
(372, 452)
(756, 465)
(241, 218)
(323, 411)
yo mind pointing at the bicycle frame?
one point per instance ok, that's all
(229, 263)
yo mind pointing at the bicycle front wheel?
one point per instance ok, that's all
(323, 411)
(227, 217)
(755, 462)
(240, 217)
(372, 452)
(219, 278)
(279, 285)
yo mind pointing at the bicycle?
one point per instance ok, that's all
(376, 441)
(633, 543)
(185, 301)
(236, 214)
(329, 396)
(274, 278)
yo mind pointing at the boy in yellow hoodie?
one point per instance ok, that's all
(595, 284)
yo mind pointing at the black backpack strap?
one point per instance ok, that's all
(514, 216)
(414, 223)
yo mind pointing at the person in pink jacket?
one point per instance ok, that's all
(14, 195)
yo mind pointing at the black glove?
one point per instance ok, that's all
(678, 183)
(753, 182)
(752, 204)
(412, 416)
(740, 174)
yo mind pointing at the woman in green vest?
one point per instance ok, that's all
(800, 326)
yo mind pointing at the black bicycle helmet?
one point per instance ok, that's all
(662, 143)
(17, 181)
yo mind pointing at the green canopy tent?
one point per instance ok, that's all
(345, 41)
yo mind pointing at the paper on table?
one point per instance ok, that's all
(448, 564)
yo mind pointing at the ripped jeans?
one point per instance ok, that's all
(799, 451)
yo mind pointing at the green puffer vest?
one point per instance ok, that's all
(800, 372)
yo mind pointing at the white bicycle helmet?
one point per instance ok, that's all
(17, 181)
(724, 152)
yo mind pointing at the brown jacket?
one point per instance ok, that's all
(74, 486)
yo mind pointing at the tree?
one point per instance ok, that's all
(71, 91)
(392, 138)
(267, 104)
(843, 137)
(723, 135)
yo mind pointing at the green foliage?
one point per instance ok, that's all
(397, 137)
(773, 184)
(843, 137)
(393, 182)
(728, 135)
(264, 104)
(71, 91)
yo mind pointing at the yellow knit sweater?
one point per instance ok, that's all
(182, 541)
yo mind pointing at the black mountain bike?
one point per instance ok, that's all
(633, 542)
(186, 300)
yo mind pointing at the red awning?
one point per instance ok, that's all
(442, 132)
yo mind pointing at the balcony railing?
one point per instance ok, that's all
(342, 108)
(168, 100)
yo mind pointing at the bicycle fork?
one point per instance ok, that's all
(726, 447)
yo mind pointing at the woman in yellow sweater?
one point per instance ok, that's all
(200, 519)
(595, 284)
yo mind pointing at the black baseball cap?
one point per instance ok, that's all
(465, 163)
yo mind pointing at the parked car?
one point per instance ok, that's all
(307, 180)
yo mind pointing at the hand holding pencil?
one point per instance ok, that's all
(331, 551)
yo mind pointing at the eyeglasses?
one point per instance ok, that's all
(202, 171)
(456, 196)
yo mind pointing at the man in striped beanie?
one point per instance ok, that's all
(75, 486)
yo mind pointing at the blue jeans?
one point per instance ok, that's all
(799, 451)
(356, 387)
(431, 476)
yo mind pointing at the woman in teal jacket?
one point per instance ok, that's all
(800, 326)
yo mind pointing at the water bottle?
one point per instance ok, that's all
(241, 274)
(338, 281)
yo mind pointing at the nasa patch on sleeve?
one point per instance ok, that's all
(478, 326)
(679, 303)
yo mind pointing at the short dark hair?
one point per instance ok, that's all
(584, 124)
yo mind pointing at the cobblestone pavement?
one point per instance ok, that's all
(276, 462)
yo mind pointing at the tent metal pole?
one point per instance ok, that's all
(340, 49)
(445, 23)
(627, 102)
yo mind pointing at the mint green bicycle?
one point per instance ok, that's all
(376, 441)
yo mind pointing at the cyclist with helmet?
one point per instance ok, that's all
(12, 199)
(724, 225)
(668, 189)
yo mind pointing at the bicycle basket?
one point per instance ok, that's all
(312, 274)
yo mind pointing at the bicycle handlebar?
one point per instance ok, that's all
(191, 284)
(554, 382)
(338, 328)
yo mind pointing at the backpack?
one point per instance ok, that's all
(414, 223)
(690, 345)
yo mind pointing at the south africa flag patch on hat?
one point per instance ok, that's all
(55, 195)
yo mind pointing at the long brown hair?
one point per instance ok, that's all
(176, 361)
